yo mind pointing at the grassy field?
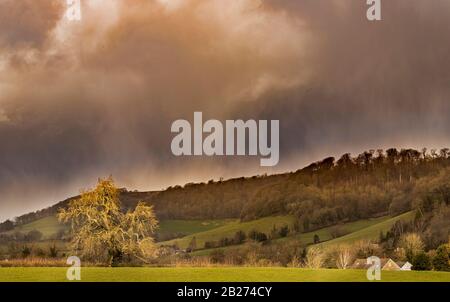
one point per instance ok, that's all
(370, 232)
(326, 233)
(48, 226)
(356, 230)
(226, 274)
(228, 230)
(188, 227)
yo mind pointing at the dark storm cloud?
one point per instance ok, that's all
(82, 100)
(375, 84)
(27, 23)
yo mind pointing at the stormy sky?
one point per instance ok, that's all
(81, 100)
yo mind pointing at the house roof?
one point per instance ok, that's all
(362, 263)
(403, 263)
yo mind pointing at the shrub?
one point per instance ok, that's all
(33, 235)
(217, 256)
(413, 245)
(421, 262)
(284, 231)
(239, 237)
(441, 259)
(210, 244)
(39, 253)
(295, 262)
(315, 258)
(257, 236)
(316, 239)
(53, 251)
(26, 251)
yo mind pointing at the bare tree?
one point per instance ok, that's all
(345, 255)
(412, 243)
(315, 258)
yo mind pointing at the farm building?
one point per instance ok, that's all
(404, 266)
(386, 264)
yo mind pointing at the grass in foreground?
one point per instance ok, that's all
(217, 274)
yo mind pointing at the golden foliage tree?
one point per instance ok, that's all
(102, 232)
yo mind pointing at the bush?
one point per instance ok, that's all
(257, 236)
(33, 235)
(421, 262)
(53, 251)
(239, 237)
(316, 239)
(26, 251)
(217, 256)
(225, 241)
(39, 253)
(441, 259)
(284, 231)
(210, 244)
(315, 258)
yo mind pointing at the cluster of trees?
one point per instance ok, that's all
(16, 250)
(430, 197)
(6, 226)
(239, 238)
(325, 193)
(31, 236)
(292, 254)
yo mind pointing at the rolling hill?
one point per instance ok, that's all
(371, 232)
(48, 226)
(228, 230)
(353, 231)
(364, 229)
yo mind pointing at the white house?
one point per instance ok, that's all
(405, 266)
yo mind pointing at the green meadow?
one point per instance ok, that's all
(230, 229)
(215, 274)
(357, 230)
(48, 226)
(188, 227)
(371, 231)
